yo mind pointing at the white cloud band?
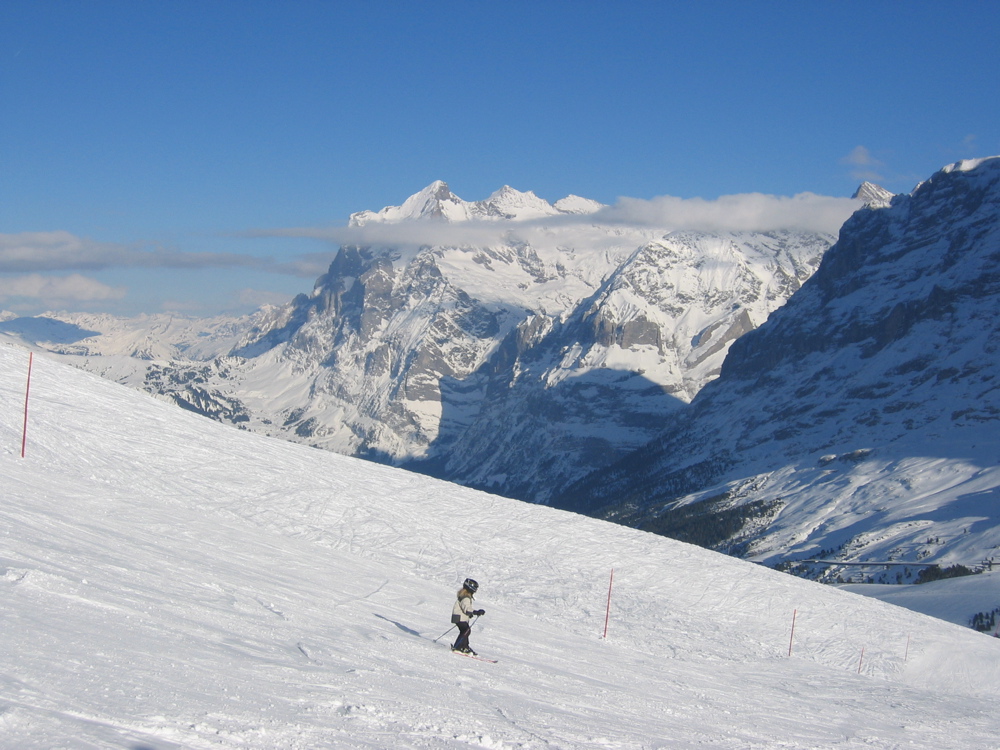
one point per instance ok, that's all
(57, 290)
(751, 212)
(35, 252)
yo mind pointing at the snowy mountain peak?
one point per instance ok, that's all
(508, 203)
(507, 194)
(984, 170)
(436, 201)
(968, 165)
(874, 196)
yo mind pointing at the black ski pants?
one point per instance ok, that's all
(463, 635)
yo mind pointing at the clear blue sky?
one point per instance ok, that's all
(140, 140)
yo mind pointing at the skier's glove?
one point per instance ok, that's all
(479, 612)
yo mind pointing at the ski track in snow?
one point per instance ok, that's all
(169, 582)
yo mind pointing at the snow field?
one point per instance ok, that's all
(169, 582)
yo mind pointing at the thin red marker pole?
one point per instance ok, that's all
(607, 614)
(792, 636)
(906, 653)
(27, 390)
(861, 660)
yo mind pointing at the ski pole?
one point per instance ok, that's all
(452, 628)
(444, 634)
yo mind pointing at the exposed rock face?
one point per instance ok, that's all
(515, 364)
(888, 355)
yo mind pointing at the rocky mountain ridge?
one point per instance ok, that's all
(859, 422)
(516, 362)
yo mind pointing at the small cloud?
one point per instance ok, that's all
(864, 165)
(30, 252)
(413, 233)
(861, 157)
(40, 252)
(55, 291)
(748, 212)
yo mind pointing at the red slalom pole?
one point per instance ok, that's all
(27, 390)
(607, 614)
(861, 660)
(792, 636)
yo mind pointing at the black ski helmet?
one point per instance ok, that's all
(471, 585)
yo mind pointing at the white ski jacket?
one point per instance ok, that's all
(462, 609)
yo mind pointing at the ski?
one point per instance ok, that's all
(477, 658)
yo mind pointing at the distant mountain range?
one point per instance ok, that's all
(517, 354)
(627, 371)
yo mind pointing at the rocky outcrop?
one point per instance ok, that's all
(887, 352)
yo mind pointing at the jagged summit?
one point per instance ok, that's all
(436, 201)
(508, 203)
(874, 196)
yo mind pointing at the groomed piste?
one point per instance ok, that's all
(169, 582)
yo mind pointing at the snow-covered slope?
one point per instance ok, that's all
(170, 582)
(144, 338)
(859, 424)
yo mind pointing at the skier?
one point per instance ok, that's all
(460, 614)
